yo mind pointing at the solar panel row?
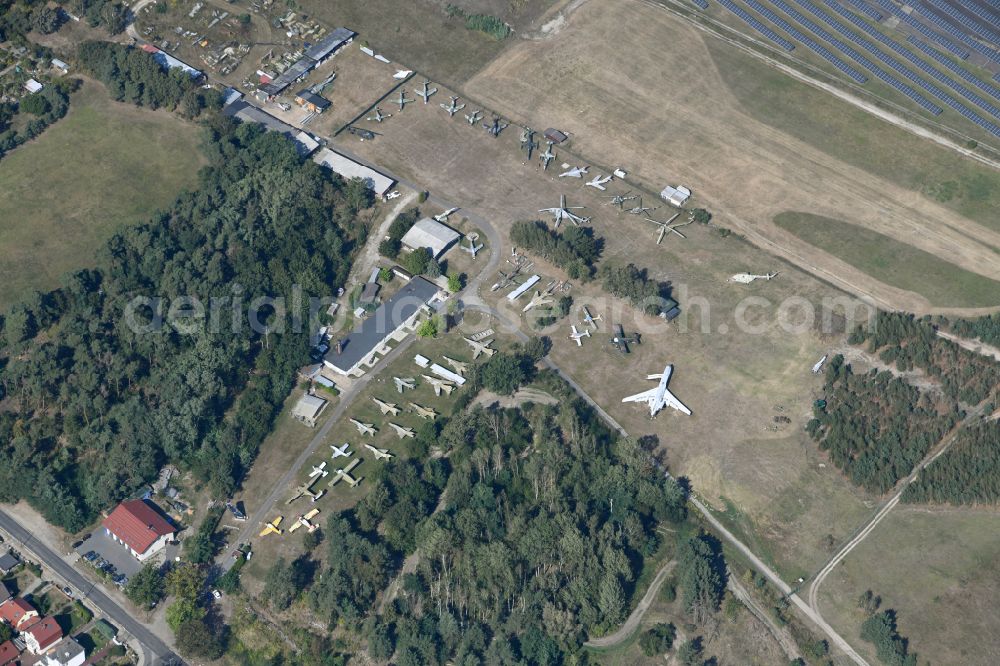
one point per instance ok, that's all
(984, 14)
(977, 27)
(701, 3)
(938, 39)
(940, 22)
(758, 26)
(863, 7)
(913, 59)
(844, 31)
(837, 62)
(958, 70)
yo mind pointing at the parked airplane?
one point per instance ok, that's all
(303, 521)
(386, 407)
(453, 108)
(578, 336)
(474, 117)
(318, 471)
(494, 128)
(306, 489)
(472, 248)
(621, 341)
(272, 527)
(365, 428)
(479, 348)
(402, 101)
(575, 172)
(528, 140)
(538, 299)
(423, 412)
(379, 116)
(426, 92)
(562, 212)
(747, 278)
(547, 156)
(819, 365)
(598, 182)
(340, 451)
(459, 366)
(401, 431)
(404, 383)
(380, 454)
(590, 319)
(439, 385)
(344, 474)
(443, 217)
(659, 397)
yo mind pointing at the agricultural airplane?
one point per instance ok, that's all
(659, 397)
(365, 428)
(426, 92)
(340, 451)
(472, 249)
(443, 217)
(459, 366)
(379, 116)
(479, 348)
(494, 128)
(474, 117)
(318, 471)
(575, 172)
(303, 521)
(621, 341)
(306, 489)
(344, 474)
(538, 299)
(386, 407)
(401, 431)
(452, 108)
(423, 412)
(598, 182)
(577, 336)
(547, 156)
(404, 383)
(562, 212)
(439, 385)
(272, 527)
(380, 454)
(590, 319)
(402, 101)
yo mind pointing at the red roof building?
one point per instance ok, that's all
(18, 613)
(139, 527)
(42, 635)
(8, 653)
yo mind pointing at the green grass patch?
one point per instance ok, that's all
(859, 138)
(896, 264)
(104, 165)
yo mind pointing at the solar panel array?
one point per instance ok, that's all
(984, 14)
(947, 27)
(938, 39)
(701, 4)
(757, 25)
(863, 7)
(972, 24)
(915, 60)
(880, 55)
(958, 70)
(835, 60)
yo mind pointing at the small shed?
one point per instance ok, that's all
(308, 409)
(431, 234)
(554, 135)
(60, 65)
(675, 196)
(311, 101)
(369, 293)
(32, 86)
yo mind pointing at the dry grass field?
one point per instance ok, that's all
(938, 569)
(667, 115)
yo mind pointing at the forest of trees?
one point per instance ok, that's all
(910, 343)
(985, 328)
(132, 75)
(96, 405)
(634, 284)
(967, 473)
(575, 250)
(875, 426)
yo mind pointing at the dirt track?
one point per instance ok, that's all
(660, 109)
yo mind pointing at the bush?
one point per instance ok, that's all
(35, 105)
(417, 260)
(389, 248)
(658, 639)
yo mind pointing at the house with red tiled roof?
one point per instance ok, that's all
(18, 613)
(42, 635)
(139, 526)
(8, 653)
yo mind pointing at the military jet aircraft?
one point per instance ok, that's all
(578, 336)
(538, 299)
(439, 385)
(472, 248)
(380, 454)
(386, 407)
(404, 383)
(562, 212)
(452, 108)
(344, 474)
(402, 101)
(272, 527)
(598, 182)
(575, 172)
(494, 128)
(379, 116)
(528, 140)
(365, 428)
(459, 366)
(401, 431)
(423, 412)
(659, 397)
(479, 348)
(474, 117)
(340, 451)
(443, 217)
(547, 156)
(426, 92)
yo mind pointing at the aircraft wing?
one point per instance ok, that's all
(671, 400)
(645, 396)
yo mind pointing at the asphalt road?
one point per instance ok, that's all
(155, 651)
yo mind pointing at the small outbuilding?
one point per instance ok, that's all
(7, 563)
(308, 409)
(32, 86)
(675, 196)
(554, 135)
(60, 65)
(310, 101)
(430, 233)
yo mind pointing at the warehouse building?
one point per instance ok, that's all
(314, 56)
(433, 235)
(348, 168)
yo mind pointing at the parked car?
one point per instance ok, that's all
(216, 594)
(90, 556)
(68, 592)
